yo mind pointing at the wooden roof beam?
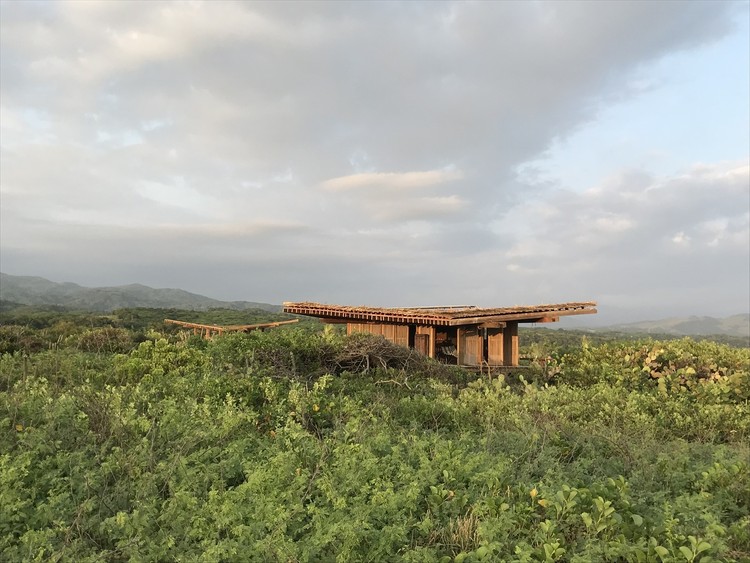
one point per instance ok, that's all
(493, 324)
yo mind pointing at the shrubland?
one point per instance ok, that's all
(300, 445)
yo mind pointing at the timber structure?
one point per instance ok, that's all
(207, 331)
(464, 335)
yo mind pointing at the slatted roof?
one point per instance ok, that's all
(440, 316)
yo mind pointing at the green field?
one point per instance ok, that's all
(123, 443)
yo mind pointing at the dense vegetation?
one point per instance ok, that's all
(300, 445)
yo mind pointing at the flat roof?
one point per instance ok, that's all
(442, 316)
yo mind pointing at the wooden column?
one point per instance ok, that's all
(510, 344)
(459, 332)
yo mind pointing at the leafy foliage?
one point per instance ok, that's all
(294, 445)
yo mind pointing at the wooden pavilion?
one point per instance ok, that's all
(467, 335)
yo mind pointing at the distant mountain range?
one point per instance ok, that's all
(736, 325)
(29, 290)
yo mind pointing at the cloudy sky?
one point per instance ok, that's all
(383, 153)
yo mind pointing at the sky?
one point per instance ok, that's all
(383, 153)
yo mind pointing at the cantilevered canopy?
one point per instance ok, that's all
(440, 316)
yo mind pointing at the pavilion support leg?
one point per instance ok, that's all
(459, 334)
(433, 335)
(510, 344)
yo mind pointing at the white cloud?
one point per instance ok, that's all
(690, 230)
(392, 180)
(681, 238)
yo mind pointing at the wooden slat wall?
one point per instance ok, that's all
(470, 347)
(495, 346)
(422, 344)
(398, 334)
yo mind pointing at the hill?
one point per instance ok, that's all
(31, 290)
(736, 325)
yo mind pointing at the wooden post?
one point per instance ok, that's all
(510, 344)
(458, 345)
(480, 346)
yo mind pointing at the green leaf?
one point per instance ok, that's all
(686, 553)
(702, 546)
(637, 519)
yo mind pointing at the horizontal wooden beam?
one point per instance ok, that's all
(230, 328)
(548, 320)
(333, 321)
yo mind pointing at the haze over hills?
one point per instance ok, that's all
(736, 325)
(32, 290)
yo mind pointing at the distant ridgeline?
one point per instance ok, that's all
(29, 290)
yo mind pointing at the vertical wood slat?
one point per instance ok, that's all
(459, 344)
(495, 346)
(402, 335)
(422, 344)
(510, 344)
(470, 349)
